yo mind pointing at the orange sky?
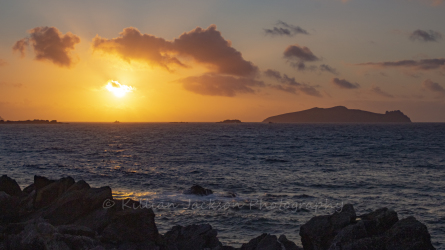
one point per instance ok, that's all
(200, 65)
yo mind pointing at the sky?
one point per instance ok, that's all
(207, 61)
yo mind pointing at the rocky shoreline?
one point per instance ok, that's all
(65, 214)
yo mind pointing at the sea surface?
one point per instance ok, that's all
(281, 174)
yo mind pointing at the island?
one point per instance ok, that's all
(338, 114)
(230, 121)
(35, 121)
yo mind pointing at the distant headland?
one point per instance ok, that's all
(35, 121)
(230, 121)
(338, 114)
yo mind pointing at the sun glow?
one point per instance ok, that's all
(119, 90)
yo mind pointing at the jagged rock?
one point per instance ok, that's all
(287, 244)
(76, 230)
(134, 225)
(9, 186)
(372, 243)
(194, 237)
(263, 242)
(408, 234)
(41, 182)
(319, 231)
(379, 221)
(29, 189)
(198, 190)
(349, 234)
(50, 192)
(8, 208)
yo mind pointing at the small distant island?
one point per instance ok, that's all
(35, 121)
(230, 121)
(338, 114)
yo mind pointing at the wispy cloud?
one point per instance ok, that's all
(49, 44)
(344, 84)
(433, 87)
(424, 64)
(290, 85)
(425, 35)
(378, 91)
(284, 29)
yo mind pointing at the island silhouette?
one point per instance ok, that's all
(338, 114)
(35, 121)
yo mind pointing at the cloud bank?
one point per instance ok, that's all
(285, 29)
(426, 35)
(344, 84)
(49, 44)
(204, 46)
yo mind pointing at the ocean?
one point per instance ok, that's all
(266, 178)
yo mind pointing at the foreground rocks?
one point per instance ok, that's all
(65, 214)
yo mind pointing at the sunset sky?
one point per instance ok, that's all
(206, 61)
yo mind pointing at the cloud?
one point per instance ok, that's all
(3, 63)
(378, 91)
(433, 87)
(327, 68)
(204, 46)
(219, 85)
(296, 52)
(49, 44)
(285, 29)
(424, 64)
(290, 85)
(425, 35)
(344, 84)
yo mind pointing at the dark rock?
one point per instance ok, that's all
(41, 182)
(372, 243)
(198, 190)
(76, 230)
(9, 211)
(287, 244)
(408, 234)
(49, 193)
(76, 203)
(9, 186)
(29, 189)
(96, 220)
(134, 225)
(319, 231)
(263, 242)
(379, 221)
(192, 237)
(349, 234)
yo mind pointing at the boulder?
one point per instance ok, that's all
(49, 193)
(319, 231)
(9, 186)
(408, 234)
(198, 190)
(131, 225)
(192, 237)
(379, 221)
(263, 242)
(287, 244)
(9, 211)
(349, 234)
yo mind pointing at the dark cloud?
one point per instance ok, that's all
(3, 63)
(424, 64)
(425, 35)
(433, 87)
(49, 44)
(378, 91)
(296, 52)
(218, 85)
(344, 84)
(290, 85)
(204, 46)
(327, 68)
(285, 29)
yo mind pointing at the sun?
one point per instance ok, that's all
(119, 90)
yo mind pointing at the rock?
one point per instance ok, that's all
(134, 225)
(263, 242)
(192, 237)
(319, 231)
(49, 193)
(349, 234)
(372, 243)
(41, 182)
(379, 221)
(198, 190)
(408, 234)
(96, 220)
(9, 211)
(76, 230)
(287, 244)
(9, 186)
(76, 203)
(29, 189)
